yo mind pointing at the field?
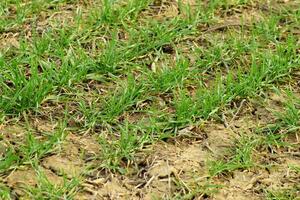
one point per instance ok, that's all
(150, 99)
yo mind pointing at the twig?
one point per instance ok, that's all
(237, 112)
(149, 182)
(224, 120)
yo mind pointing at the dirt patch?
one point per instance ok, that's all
(76, 153)
(107, 188)
(23, 178)
(11, 135)
(217, 133)
(9, 40)
(165, 10)
(86, 142)
(113, 189)
(184, 163)
(234, 193)
(44, 126)
(249, 184)
(63, 166)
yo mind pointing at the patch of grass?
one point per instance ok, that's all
(90, 113)
(48, 190)
(36, 149)
(8, 160)
(186, 109)
(143, 39)
(4, 192)
(209, 101)
(32, 149)
(273, 135)
(295, 168)
(114, 12)
(27, 79)
(124, 97)
(291, 115)
(285, 194)
(15, 13)
(55, 59)
(241, 158)
(266, 68)
(119, 147)
(169, 78)
(287, 122)
(206, 189)
(17, 89)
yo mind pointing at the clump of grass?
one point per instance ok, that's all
(8, 160)
(118, 149)
(31, 150)
(291, 115)
(124, 97)
(284, 194)
(185, 107)
(273, 136)
(295, 168)
(20, 92)
(169, 78)
(272, 67)
(35, 149)
(120, 55)
(287, 122)
(241, 158)
(48, 190)
(4, 192)
(114, 12)
(27, 79)
(195, 189)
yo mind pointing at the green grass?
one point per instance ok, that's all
(32, 149)
(272, 135)
(47, 190)
(126, 96)
(120, 145)
(287, 123)
(4, 192)
(117, 71)
(287, 194)
(241, 158)
(291, 115)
